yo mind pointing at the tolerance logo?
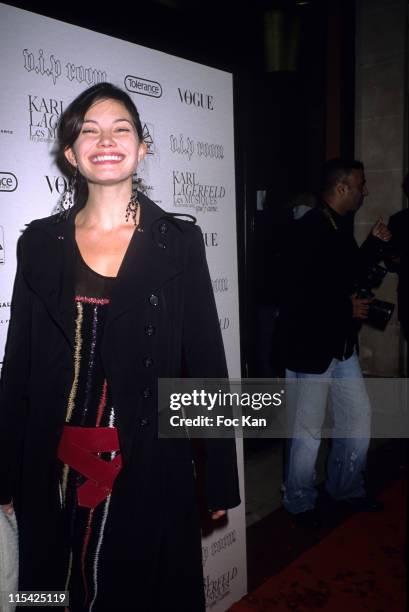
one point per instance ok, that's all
(145, 87)
(44, 116)
(8, 181)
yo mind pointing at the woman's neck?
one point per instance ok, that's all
(105, 207)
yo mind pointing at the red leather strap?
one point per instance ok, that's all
(76, 449)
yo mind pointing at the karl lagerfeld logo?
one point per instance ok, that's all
(8, 181)
(147, 133)
(145, 87)
(4, 312)
(57, 184)
(196, 98)
(218, 588)
(184, 145)
(44, 116)
(51, 66)
(2, 251)
(189, 193)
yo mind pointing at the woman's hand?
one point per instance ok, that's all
(218, 514)
(8, 509)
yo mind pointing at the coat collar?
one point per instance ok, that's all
(49, 266)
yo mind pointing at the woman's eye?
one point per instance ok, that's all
(123, 130)
(88, 131)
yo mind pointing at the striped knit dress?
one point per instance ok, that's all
(89, 405)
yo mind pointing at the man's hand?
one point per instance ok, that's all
(8, 509)
(360, 306)
(380, 231)
(218, 514)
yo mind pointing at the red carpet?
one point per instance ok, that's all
(359, 567)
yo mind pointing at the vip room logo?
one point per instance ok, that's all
(2, 247)
(189, 192)
(198, 99)
(145, 87)
(8, 181)
(220, 285)
(44, 115)
(48, 65)
(187, 146)
(39, 64)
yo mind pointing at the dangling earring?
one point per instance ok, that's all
(67, 200)
(132, 209)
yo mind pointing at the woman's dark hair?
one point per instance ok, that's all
(71, 120)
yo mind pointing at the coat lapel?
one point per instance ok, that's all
(146, 266)
(48, 267)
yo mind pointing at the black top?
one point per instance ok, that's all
(88, 282)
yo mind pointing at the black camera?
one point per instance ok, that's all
(380, 312)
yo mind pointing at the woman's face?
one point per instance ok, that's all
(107, 150)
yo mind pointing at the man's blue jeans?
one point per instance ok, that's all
(307, 396)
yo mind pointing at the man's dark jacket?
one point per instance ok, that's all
(320, 266)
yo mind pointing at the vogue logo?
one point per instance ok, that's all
(210, 239)
(224, 323)
(144, 87)
(57, 183)
(8, 181)
(196, 98)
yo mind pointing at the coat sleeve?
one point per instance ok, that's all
(14, 384)
(205, 358)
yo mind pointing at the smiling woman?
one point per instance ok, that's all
(110, 295)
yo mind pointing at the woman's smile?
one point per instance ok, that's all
(111, 158)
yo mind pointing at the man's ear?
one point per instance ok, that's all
(341, 189)
(70, 157)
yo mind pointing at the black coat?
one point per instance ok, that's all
(163, 285)
(320, 267)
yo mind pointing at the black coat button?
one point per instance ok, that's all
(148, 362)
(163, 228)
(149, 329)
(153, 300)
(144, 421)
(147, 393)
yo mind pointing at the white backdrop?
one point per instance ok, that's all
(187, 114)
